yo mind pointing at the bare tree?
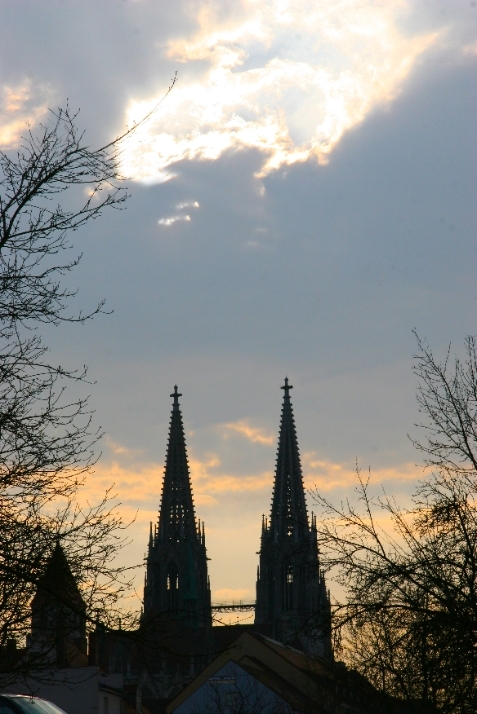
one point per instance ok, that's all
(409, 620)
(42, 431)
(52, 186)
(448, 400)
(45, 437)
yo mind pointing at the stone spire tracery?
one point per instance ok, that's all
(288, 515)
(177, 517)
(177, 583)
(291, 593)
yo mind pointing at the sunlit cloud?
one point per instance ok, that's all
(119, 449)
(257, 436)
(170, 220)
(21, 107)
(323, 475)
(470, 49)
(288, 78)
(137, 486)
(229, 595)
(209, 479)
(187, 204)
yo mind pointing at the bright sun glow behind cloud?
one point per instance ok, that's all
(286, 77)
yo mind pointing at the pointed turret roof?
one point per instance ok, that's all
(58, 582)
(288, 516)
(177, 518)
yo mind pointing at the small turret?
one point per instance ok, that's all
(58, 614)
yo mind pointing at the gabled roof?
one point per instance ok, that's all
(306, 683)
(310, 685)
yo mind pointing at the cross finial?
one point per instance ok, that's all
(286, 387)
(175, 396)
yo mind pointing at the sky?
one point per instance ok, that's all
(301, 200)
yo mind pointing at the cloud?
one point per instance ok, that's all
(286, 78)
(187, 204)
(170, 220)
(229, 594)
(120, 449)
(135, 484)
(21, 106)
(138, 486)
(209, 480)
(470, 49)
(324, 475)
(257, 436)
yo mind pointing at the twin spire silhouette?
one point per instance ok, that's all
(291, 590)
(288, 512)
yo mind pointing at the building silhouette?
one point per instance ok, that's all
(176, 638)
(291, 591)
(292, 602)
(176, 580)
(58, 615)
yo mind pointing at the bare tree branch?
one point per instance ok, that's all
(409, 618)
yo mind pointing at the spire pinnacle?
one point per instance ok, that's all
(175, 395)
(288, 516)
(177, 519)
(286, 387)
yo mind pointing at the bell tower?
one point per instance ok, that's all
(177, 584)
(291, 590)
(58, 615)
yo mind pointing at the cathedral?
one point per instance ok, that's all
(292, 602)
(178, 661)
(176, 638)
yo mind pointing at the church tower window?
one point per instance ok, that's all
(288, 587)
(172, 586)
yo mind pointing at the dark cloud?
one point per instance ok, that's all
(324, 276)
(96, 55)
(321, 276)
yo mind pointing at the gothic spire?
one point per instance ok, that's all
(291, 591)
(288, 516)
(177, 518)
